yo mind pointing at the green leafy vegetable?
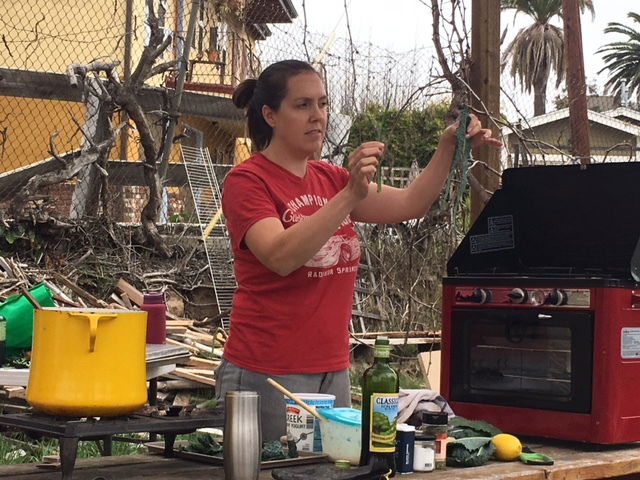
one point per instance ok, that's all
(469, 452)
(461, 156)
(204, 443)
(272, 451)
(463, 144)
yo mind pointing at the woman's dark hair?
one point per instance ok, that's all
(269, 89)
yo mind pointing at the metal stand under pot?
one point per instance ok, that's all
(69, 431)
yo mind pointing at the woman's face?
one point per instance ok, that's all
(301, 121)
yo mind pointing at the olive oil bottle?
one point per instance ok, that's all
(379, 409)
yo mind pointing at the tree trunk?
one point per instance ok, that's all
(539, 99)
(88, 189)
(485, 82)
(126, 98)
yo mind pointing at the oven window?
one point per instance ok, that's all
(525, 358)
(538, 359)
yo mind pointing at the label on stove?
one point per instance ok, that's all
(499, 237)
(630, 345)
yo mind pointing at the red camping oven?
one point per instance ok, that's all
(541, 306)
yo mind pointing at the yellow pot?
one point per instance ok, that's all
(88, 362)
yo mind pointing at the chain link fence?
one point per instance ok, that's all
(83, 95)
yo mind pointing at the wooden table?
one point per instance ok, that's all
(573, 461)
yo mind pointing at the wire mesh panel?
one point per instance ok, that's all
(207, 199)
(205, 189)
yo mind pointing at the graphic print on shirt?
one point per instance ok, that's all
(338, 248)
(339, 251)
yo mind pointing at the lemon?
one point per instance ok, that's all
(507, 446)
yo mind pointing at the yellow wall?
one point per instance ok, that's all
(45, 35)
(49, 35)
(217, 140)
(29, 127)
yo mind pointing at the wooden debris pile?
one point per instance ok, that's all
(202, 339)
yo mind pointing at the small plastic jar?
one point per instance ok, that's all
(435, 422)
(424, 453)
(441, 450)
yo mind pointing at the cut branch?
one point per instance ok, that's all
(70, 170)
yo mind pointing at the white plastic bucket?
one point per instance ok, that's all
(303, 427)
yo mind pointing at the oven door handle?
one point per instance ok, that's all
(544, 316)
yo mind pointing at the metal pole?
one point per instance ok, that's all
(176, 100)
(128, 40)
(576, 85)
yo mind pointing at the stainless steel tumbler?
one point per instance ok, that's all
(242, 445)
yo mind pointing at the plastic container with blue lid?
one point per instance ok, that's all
(346, 416)
(341, 433)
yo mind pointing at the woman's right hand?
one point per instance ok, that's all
(363, 163)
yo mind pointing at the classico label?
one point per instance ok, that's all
(384, 414)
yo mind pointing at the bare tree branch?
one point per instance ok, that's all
(162, 68)
(70, 170)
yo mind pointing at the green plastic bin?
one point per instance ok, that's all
(19, 315)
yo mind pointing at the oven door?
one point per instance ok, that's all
(533, 358)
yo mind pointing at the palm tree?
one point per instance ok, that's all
(622, 59)
(538, 49)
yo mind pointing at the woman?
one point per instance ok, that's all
(290, 219)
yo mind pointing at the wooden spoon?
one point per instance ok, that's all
(294, 397)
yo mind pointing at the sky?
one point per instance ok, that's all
(402, 25)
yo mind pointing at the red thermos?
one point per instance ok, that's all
(156, 309)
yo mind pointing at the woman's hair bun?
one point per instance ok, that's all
(243, 93)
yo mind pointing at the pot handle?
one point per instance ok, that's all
(93, 318)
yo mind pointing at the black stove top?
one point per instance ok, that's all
(574, 222)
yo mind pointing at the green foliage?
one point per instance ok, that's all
(22, 236)
(184, 218)
(19, 448)
(622, 58)
(13, 232)
(408, 134)
(91, 450)
(543, 10)
(410, 380)
(469, 452)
